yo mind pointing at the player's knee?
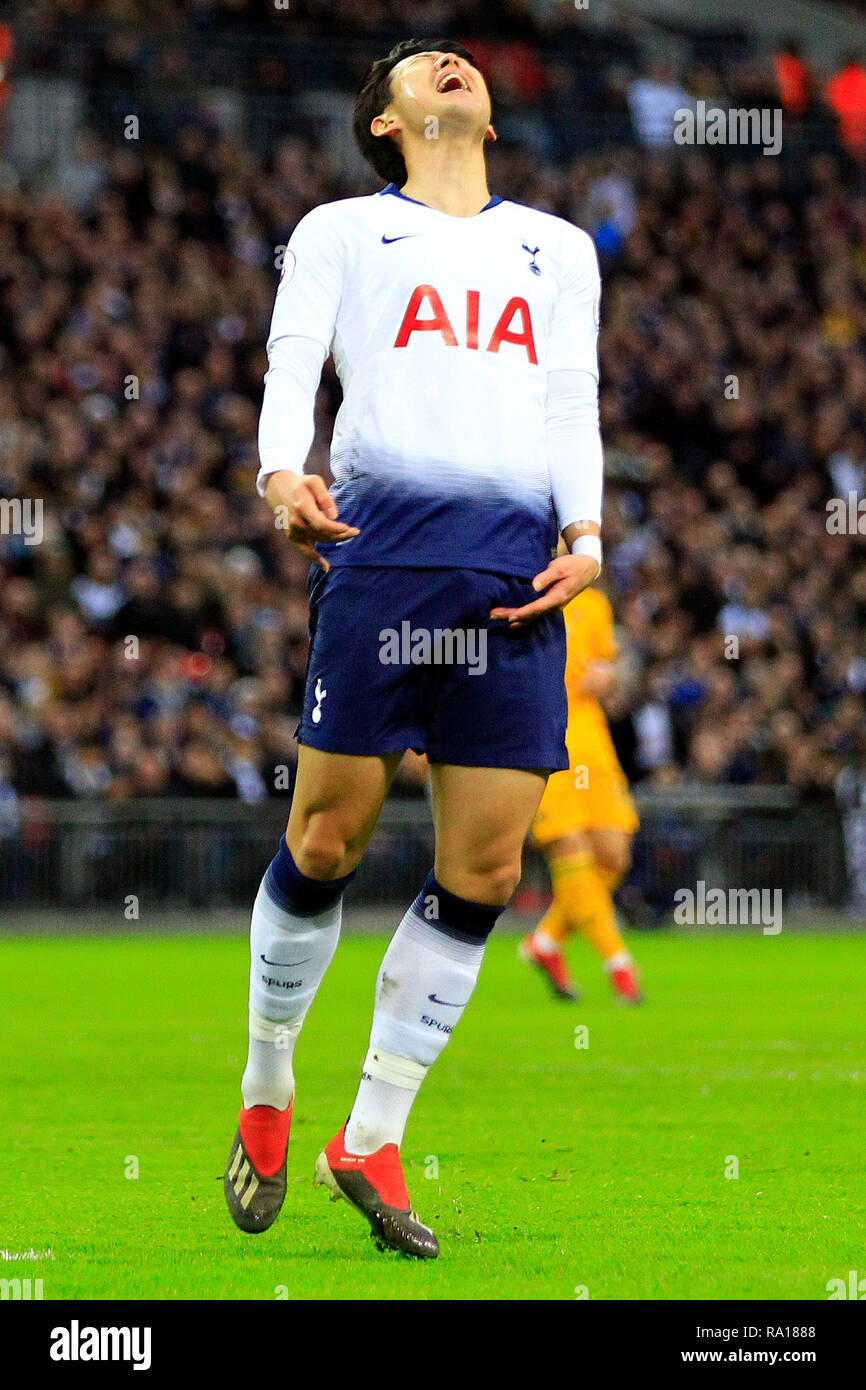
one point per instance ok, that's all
(614, 857)
(321, 861)
(325, 850)
(567, 846)
(496, 883)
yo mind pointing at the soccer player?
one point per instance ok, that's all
(463, 328)
(586, 820)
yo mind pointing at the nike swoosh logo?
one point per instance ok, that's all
(408, 236)
(287, 964)
(447, 1002)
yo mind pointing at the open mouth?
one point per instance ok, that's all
(451, 82)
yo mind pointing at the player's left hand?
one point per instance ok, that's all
(563, 579)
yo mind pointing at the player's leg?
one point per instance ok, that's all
(296, 918)
(557, 833)
(478, 721)
(481, 817)
(585, 868)
(568, 858)
(611, 850)
(294, 931)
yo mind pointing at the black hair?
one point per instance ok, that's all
(374, 94)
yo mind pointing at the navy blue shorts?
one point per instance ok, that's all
(409, 658)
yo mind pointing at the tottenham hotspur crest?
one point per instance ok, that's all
(320, 692)
(533, 252)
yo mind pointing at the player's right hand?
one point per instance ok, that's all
(304, 508)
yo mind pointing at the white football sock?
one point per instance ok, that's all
(386, 1094)
(618, 961)
(289, 957)
(269, 1078)
(424, 984)
(544, 943)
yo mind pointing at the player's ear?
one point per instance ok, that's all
(386, 124)
(490, 133)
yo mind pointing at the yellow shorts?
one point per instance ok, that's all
(594, 796)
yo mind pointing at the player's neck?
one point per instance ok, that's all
(449, 176)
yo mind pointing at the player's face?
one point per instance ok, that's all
(441, 85)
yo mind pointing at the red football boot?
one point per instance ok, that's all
(375, 1185)
(551, 964)
(255, 1177)
(625, 986)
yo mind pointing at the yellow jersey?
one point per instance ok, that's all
(593, 792)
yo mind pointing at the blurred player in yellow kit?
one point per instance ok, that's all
(586, 819)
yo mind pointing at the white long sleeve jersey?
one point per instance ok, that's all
(467, 353)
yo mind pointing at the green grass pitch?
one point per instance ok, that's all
(544, 1168)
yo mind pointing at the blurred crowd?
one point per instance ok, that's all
(154, 643)
(561, 78)
(733, 408)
